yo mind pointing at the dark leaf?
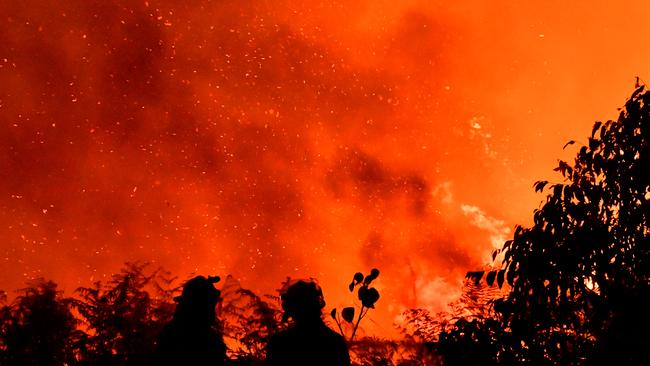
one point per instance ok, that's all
(214, 279)
(333, 313)
(490, 277)
(501, 277)
(571, 142)
(510, 276)
(499, 305)
(358, 277)
(539, 186)
(596, 127)
(557, 190)
(374, 273)
(351, 286)
(563, 168)
(348, 314)
(369, 297)
(362, 291)
(368, 280)
(476, 276)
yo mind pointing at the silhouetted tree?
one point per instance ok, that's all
(580, 274)
(38, 328)
(122, 316)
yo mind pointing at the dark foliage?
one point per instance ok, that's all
(38, 328)
(123, 318)
(371, 351)
(248, 322)
(475, 303)
(117, 323)
(580, 274)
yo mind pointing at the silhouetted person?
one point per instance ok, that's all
(308, 342)
(192, 338)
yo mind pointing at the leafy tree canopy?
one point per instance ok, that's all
(580, 273)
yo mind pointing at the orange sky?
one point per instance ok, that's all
(273, 139)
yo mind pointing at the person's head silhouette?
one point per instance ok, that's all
(309, 341)
(303, 301)
(198, 300)
(193, 336)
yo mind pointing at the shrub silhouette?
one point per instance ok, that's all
(475, 303)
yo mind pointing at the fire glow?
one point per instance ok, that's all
(267, 139)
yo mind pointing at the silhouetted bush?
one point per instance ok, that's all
(475, 303)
